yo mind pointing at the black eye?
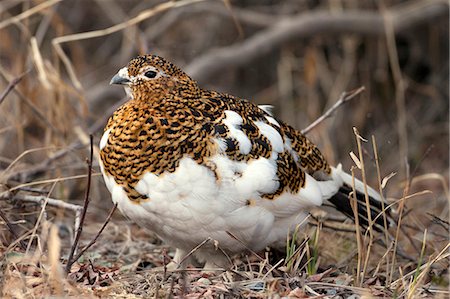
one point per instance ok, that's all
(150, 74)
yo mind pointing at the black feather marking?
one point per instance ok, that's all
(341, 201)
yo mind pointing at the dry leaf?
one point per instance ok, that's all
(356, 160)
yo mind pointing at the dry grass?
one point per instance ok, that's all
(62, 55)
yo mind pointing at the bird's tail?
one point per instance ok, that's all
(342, 201)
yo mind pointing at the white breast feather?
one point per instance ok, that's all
(104, 139)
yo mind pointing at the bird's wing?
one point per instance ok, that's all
(248, 132)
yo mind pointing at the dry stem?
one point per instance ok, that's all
(85, 206)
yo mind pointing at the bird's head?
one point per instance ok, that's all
(152, 76)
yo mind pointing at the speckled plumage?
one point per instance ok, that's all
(190, 163)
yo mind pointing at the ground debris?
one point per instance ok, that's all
(93, 275)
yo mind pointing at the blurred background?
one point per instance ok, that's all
(297, 55)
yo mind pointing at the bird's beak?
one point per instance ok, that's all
(121, 77)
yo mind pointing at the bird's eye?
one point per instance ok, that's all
(150, 74)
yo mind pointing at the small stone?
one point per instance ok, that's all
(204, 281)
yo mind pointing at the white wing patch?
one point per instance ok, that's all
(288, 147)
(259, 177)
(266, 108)
(272, 121)
(220, 144)
(104, 139)
(270, 133)
(232, 121)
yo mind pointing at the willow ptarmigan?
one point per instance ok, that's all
(191, 164)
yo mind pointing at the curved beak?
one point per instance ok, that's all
(121, 77)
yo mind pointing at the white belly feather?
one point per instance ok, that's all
(187, 206)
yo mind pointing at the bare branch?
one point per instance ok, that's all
(243, 15)
(85, 206)
(312, 24)
(82, 251)
(344, 98)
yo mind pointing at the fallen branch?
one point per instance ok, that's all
(247, 16)
(314, 23)
(40, 199)
(344, 98)
(85, 206)
(82, 251)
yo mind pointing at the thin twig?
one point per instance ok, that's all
(344, 98)
(246, 247)
(82, 251)
(193, 250)
(11, 229)
(83, 214)
(11, 85)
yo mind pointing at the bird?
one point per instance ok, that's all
(197, 166)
